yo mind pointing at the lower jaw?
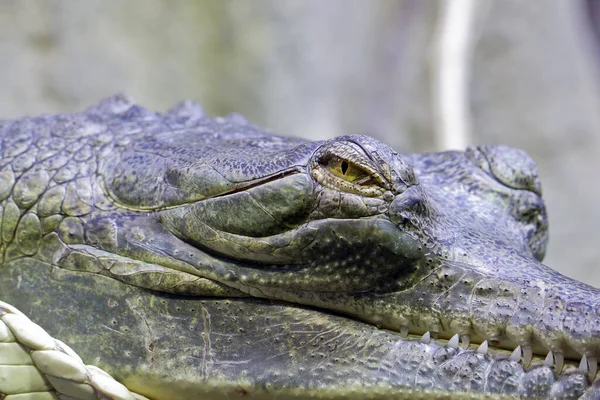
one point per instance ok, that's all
(529, 354)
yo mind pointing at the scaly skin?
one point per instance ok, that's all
(187, 255)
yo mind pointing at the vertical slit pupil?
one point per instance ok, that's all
(344, 167)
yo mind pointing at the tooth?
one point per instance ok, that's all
(426, 338)
(589, 365)
(592, 367)
(583, 364)
(527, 355)
(516, 354)
(483, 347)
(453, 342)
(559, 359)
(466, 341)
(549, 360)
(404, 331)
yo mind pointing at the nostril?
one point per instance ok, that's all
(530, 214)
(511, 167)
(529, 208)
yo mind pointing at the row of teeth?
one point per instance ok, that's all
(588, 364)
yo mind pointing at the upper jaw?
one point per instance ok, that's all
(547, 313)
(486, 282)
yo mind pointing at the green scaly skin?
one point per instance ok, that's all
(187, 255)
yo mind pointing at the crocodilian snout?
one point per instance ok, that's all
(510, 301)
(514, 301)
(484, 282)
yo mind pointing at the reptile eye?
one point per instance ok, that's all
(345, 166)
(347, 171)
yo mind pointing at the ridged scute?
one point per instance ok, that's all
(78, 198)
(29, 187)
(70, 230)
(7, 181)
(15, 379)
(10, 219)
(29, 234)
(51, 201)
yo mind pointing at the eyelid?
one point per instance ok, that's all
(335, 161)
(368, 182)
(360, 176)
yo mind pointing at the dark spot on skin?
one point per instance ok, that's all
(241, 391)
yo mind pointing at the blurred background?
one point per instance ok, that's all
(421, 75)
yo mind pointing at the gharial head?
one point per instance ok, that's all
(448, 243)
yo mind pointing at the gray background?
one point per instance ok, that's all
(324, 68)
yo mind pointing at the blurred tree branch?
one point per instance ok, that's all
(452, 50)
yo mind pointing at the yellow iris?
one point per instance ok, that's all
(348, 171)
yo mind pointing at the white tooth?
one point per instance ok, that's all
(453, 342)
(516, 354)
(466, 341)
(426, 338)
(527, 355)
(483, 347)
(549, 360)
(404, 331)
(583, 364)
(592, 367)
(559, 359)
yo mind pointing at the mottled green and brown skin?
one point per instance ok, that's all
(188, 255)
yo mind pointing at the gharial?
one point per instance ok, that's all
(194, 257)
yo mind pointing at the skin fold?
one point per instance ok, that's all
(192, 256)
